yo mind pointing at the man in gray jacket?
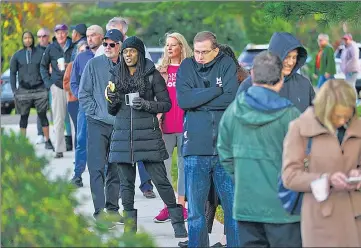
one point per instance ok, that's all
(93, 82)
(350, 63)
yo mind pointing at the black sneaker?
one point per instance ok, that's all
(77, 181)
(49, 145)
(149, 194)
(59, 155)
(183, 244)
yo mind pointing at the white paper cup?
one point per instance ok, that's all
(61, 64)
(129, 98)
(320, 189)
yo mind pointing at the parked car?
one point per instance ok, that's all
(156, 54)
(339, 74)
(251, 50)
(246, 58)
(7, 95)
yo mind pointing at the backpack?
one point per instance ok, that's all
(291, 200)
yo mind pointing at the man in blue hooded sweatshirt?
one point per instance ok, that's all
(250, 145)
(206, 85)
(296, 88)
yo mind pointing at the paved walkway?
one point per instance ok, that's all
(147, 208)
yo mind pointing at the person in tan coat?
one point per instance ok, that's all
(335, 220)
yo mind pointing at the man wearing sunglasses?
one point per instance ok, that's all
(95, 37)
(93, 82)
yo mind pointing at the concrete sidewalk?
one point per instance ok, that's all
(147, 208)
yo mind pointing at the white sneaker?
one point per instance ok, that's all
(40, 139)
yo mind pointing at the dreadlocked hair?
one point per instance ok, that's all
(131, 84)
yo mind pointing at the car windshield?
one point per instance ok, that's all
(6, 87)
(248, 56)
(339, 51)
(155, 56)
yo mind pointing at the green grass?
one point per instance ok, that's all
(174, 172)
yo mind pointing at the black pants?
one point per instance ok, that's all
(256, 234)
(98, 142)
(157, 173)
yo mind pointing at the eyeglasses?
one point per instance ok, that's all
(112, 45)
(42, 36)
(202, 52)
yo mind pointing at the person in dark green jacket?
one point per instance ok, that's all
(325, 66)
(250, 144)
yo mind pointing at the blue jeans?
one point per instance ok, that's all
(322, 80)
(145, 182)
(199, 171)
(81, 144)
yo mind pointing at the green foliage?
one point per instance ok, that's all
(36, 212)
(327, 12)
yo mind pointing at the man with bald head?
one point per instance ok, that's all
(94, 35)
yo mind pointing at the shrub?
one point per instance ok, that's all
(37, 212)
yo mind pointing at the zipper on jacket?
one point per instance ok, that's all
(153, 124)
(131, 137)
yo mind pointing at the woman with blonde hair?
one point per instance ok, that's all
(176, 50)
(331, 206)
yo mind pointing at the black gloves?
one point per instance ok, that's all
(141, 104)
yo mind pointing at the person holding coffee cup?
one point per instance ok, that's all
(331, 204)
(136, 133)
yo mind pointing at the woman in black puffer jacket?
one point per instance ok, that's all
(136, 135)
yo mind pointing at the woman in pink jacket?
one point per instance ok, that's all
(176, 50)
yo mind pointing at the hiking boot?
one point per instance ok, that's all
(163, 216)
(59, 155)
(77, 181)
(68, 143)
(130, 221)
(177, 220)
(116, 217)
(149, 194)
(49, 145)
(103, 221)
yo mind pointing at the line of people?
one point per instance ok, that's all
(231, 131)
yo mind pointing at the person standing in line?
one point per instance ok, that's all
(206, 85)
(325, 67)
(350, 60)
(296, 88)
(331, 204)
(43, 35)
(175, 51)
(93, 83)
(136, 135)
(250, 141)
(25, 64)
(78, 35)
(146, 185)
(56, 56)
(95, 37)
(73, 103)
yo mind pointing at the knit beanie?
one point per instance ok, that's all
(134, 42)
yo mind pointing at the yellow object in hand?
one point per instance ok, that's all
(110, 86)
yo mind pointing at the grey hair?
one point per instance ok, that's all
(118, 21)
(81, 43)
(267, 68)
(323, 36)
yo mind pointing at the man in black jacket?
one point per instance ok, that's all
(206, 85)
(31, 90)
(136, 134)
(56, 56)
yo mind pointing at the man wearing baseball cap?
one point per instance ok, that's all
(93, 82)
(56, 56)
(350, 64)
(78, 34)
